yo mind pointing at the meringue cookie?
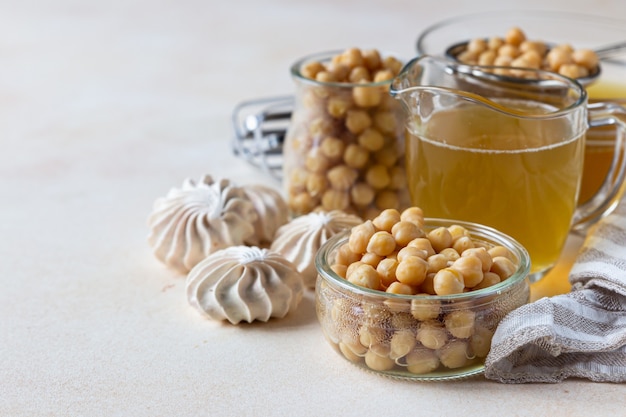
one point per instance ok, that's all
(198, 219)
(300, 239)
(272, 210)
(244, 283)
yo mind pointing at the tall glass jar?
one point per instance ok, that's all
(344, 148)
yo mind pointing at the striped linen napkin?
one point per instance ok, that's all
(580, 334)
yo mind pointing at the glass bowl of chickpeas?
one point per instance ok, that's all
(418, 298)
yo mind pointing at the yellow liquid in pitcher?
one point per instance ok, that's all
(471, 164)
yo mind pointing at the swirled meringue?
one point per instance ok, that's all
(272, 210)
(300, 239)
(198, 219)
(244, 283)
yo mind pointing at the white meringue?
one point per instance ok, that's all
(272, 210)
(244, 283)
(198, 219)
(300, 239)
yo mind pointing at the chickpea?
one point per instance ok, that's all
(424, 244)
(352, 57)
(298, 178)
(428, 286)
(371, 139)
(357, 121)
(392, 64)
(362, 194)
(508, 50)
(359, 74)
(448, 281)
(585, 58)
(325, 77)
(340, 270)
(385, 121)
(495, 43)
(316, 161)
(353, 267)
(345, 256)
(487, 58)
(342, 177)
(387, 271)
(422, 361)
(360, 236)
(501, 251)
(377, 362)
(462, 244)
(558, 57)
(332, 147)
(460, 323)
(397, 178)
(414, 215)
(310, 69)
(370, 336)
(377, 176)
(431, 334)
(340, 71)
(355, 156)
(515, 36)
(335, 200)
(539, 47)
(387, 199)
(477, 45)
(482, 254)
(411, 251)
(412, 271)
(451, 254)
(386, 156)
(503, 267)
(400, 288)
(454, 354)
(437, 262)
(302, 202)
(316, 184)
(371, 259)
(383, 75)
(401, 343)
(365, 276)
(424, 310)
(573, 71)
(366, 96)
(371, 59)
(489, 279)
(480, 342)
(349, 353)
(471, 268)
(440, 238)
(381, 243)
(404, 232)
(386, 219)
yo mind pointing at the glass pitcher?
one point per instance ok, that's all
(505, 151)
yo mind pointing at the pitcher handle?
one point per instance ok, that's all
(605, 201)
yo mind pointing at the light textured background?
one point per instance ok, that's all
(104, 106)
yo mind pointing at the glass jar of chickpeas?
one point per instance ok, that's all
(344, 148)
(418, 298)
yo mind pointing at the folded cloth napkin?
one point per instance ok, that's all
(580, 334)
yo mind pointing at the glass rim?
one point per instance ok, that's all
(484, 233)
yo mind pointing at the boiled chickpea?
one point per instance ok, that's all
(462, 244)
(454, 354)
(335, 200)
(387, 199)
(383, 75)
(437, 262)
(504, 267)
(477, 45)
(421, 361)
(423, 310)
(381, 243)
(386, 219)
(515, 36)
(377, 176)
(424, 244)
(348, 353)
(414, 215)
(487, 58)
(585, 58)
(428, 286)
(359, 74)
(411, 271)
(460, 323)
(371, 59)
(401, 343)
(337, 107)
(371, 259)
(377, 362)
(386, 156)
(400, 288)
(360, 236)
(332, 147)
(501, 251)
(431, 334)
(316, 162)
(387, 271)
(310, 69)
(489, 279)
(316, 184)
(371, 139)
(353, 267)
(340, 270)
(357, 121)
(440, 238)
(397, 178)
(365, 276)
(366, 96)
(471, 268)
(448, 281)
(352, 57)
(342, 177)
(302, 202)
(480, 342)
(450, 253)
(385, 121)
(404, 232)
(558, 57)
(355, 156)
(362, 194)
(345, 256)
(482, 254)
(411, 251)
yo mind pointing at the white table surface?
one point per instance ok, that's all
(104, 106)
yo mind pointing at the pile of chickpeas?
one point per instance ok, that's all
(395, 253)
(345, 146)
(515, 50)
